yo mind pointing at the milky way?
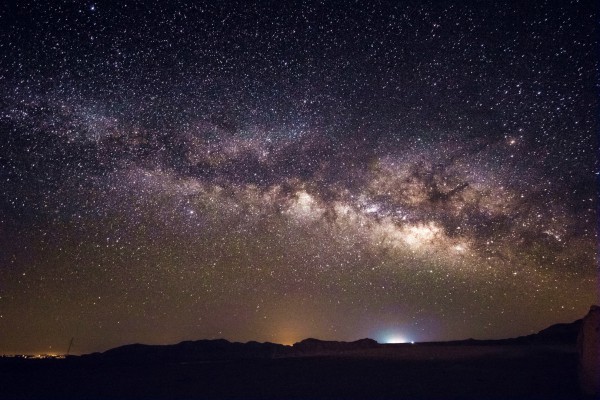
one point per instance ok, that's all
(261, 171)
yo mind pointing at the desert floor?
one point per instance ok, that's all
(417, 371)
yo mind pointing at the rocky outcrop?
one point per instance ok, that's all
(588, 344)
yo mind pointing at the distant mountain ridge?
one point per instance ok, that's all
(221, 349)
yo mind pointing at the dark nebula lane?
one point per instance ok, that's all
(267, 171)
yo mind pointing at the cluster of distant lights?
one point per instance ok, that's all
(36, 356)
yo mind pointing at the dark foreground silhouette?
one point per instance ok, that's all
(541, 366)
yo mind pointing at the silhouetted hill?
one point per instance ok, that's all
(564, 333)
(193, 351)
(561, 332)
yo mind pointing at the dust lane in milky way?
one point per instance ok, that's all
(259, 172)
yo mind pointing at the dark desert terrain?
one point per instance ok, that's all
(541, 366)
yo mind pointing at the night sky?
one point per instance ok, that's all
(405, 171)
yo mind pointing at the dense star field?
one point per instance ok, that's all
(406, 171)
